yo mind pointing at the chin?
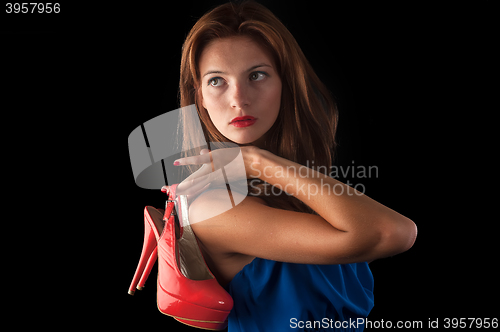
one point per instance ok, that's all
(242, 141)
(253, 141)
(248, 138)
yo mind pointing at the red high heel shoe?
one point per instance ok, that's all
(187, 290)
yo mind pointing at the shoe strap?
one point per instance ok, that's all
(171, 200)
(170, 191)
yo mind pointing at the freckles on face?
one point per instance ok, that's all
(240, 88)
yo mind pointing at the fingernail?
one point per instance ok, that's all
(176, 163)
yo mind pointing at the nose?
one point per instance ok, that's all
(239, 96)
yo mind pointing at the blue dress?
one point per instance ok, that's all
(277, 296)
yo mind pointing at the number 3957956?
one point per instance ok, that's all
(32, 7)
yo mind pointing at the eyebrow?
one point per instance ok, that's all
(249, 69)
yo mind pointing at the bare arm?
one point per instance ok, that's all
(351, 227)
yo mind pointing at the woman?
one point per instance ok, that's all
(293, 253)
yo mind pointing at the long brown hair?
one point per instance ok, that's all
(304, 131)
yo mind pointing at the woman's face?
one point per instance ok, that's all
(240, 88)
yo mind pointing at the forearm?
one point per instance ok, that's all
(340, 205)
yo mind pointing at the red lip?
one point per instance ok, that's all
(243, 121)
(242, 118)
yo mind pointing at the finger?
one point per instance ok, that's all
(205, 151)
(191, 186)
(193, 160)
(222, 157)
(197, 186)
(202, 171)
(212, 161)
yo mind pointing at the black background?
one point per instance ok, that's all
(412, 83)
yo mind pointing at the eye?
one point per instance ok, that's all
(257, 76)
(216, 81)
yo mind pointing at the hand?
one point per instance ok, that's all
(192, 192)
(220, 167)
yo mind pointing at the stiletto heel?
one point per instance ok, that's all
(154, 255)
(147, 270)
(149, 246)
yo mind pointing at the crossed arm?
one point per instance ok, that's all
(350, 227)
